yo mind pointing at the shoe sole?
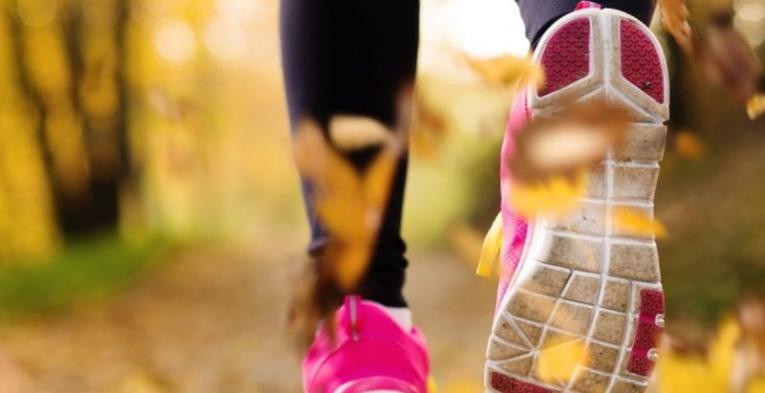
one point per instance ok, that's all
(582, 280)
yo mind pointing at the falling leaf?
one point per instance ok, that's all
(755, 107)
(692, 373)
(566, 146)
(507, 71)
(350, 204)
(719, 50)
(445, 105)
(723, 348)
(689, 145)
(430, 124)
(675, 19)
(727, 59)
(638, 223)
(356, 132)
(679, 373)
(578, 137)
(560, 358)
(377, 180)
(336, 185)
(432, 387)
(552, 198)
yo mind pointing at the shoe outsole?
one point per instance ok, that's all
(583, 280)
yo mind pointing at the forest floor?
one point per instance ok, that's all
(212, 320)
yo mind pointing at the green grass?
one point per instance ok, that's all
(83, 270)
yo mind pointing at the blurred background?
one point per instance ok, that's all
(150, 216)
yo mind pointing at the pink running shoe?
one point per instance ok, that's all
(371, 353)
(579, 280)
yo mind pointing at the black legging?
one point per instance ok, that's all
(353, 57)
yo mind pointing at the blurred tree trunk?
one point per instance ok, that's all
(80, 95)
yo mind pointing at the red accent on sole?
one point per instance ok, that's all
(566, 58)
(505, 384)
(641, 64)
(588, 4)
(647, 334)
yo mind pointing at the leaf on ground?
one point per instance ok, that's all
(637, 222)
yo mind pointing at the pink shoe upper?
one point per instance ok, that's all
(370, 352)
(515, 228)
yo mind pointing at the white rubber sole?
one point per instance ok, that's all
(582, 280)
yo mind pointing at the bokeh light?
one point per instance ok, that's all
(175, 41)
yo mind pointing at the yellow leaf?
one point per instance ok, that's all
(507, 70)
(756, 386)
(577, 138)
(357, 132)
(351, 264)
(637, 223)
(675, 19)
(379, 175)
(349, 204)
(678, 373)
(335, 183)
(432, 387)
(723, 348)
(490, 251)
(755, 107)
(560, 358)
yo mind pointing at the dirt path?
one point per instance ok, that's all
(211, 321)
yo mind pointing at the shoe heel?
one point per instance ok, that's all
(584, 280)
